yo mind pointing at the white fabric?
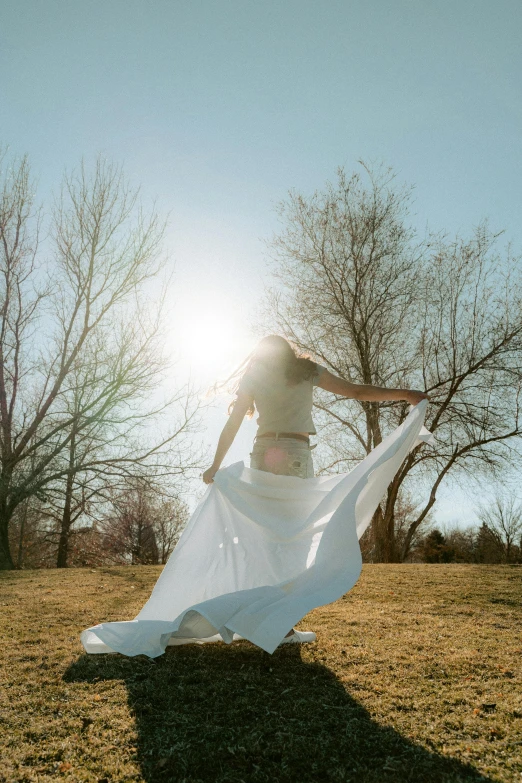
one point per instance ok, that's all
(260, 551)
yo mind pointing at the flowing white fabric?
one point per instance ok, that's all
(260, 551)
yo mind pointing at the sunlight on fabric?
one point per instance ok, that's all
(310, 560)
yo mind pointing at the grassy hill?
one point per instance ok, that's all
(416, 676)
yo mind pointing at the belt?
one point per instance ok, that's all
(306, 438)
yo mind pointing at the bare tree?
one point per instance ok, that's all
(30, 542)
(405, 512)
(106, 403)
(169, 522)
(81, 317)
(142, 526)
(359, 292)
(503, 519)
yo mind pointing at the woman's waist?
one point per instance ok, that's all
(304, 436)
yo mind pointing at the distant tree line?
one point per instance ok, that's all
(496, 538)
(468, 545)
(136, 525)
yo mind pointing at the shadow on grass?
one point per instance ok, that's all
(234, 713)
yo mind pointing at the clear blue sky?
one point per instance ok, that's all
(219, 107)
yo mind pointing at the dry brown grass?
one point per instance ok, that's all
(415, 677)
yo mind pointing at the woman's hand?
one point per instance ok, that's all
(413, 396)
(208, 475)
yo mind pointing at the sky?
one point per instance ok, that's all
(216, 108)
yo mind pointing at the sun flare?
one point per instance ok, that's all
(211, 336)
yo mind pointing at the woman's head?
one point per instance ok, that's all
(272, 352)
(274, 349)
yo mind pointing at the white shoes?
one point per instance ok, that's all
(299, 637)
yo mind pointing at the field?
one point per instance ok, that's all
(416, 676)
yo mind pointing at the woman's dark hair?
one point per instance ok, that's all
(276, 351)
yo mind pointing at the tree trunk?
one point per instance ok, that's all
(65, 528)
(383, 530)
(6, 561)
(21, 536)
(378, 534)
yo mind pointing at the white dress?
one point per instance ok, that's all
(260, 551)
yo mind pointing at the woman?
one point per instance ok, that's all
(260, 551)
(279, 383)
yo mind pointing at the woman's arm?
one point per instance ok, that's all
(228, 434)
(366, 392)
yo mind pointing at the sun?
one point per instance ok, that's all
(210, 335)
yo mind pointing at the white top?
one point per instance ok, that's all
(281, 407)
